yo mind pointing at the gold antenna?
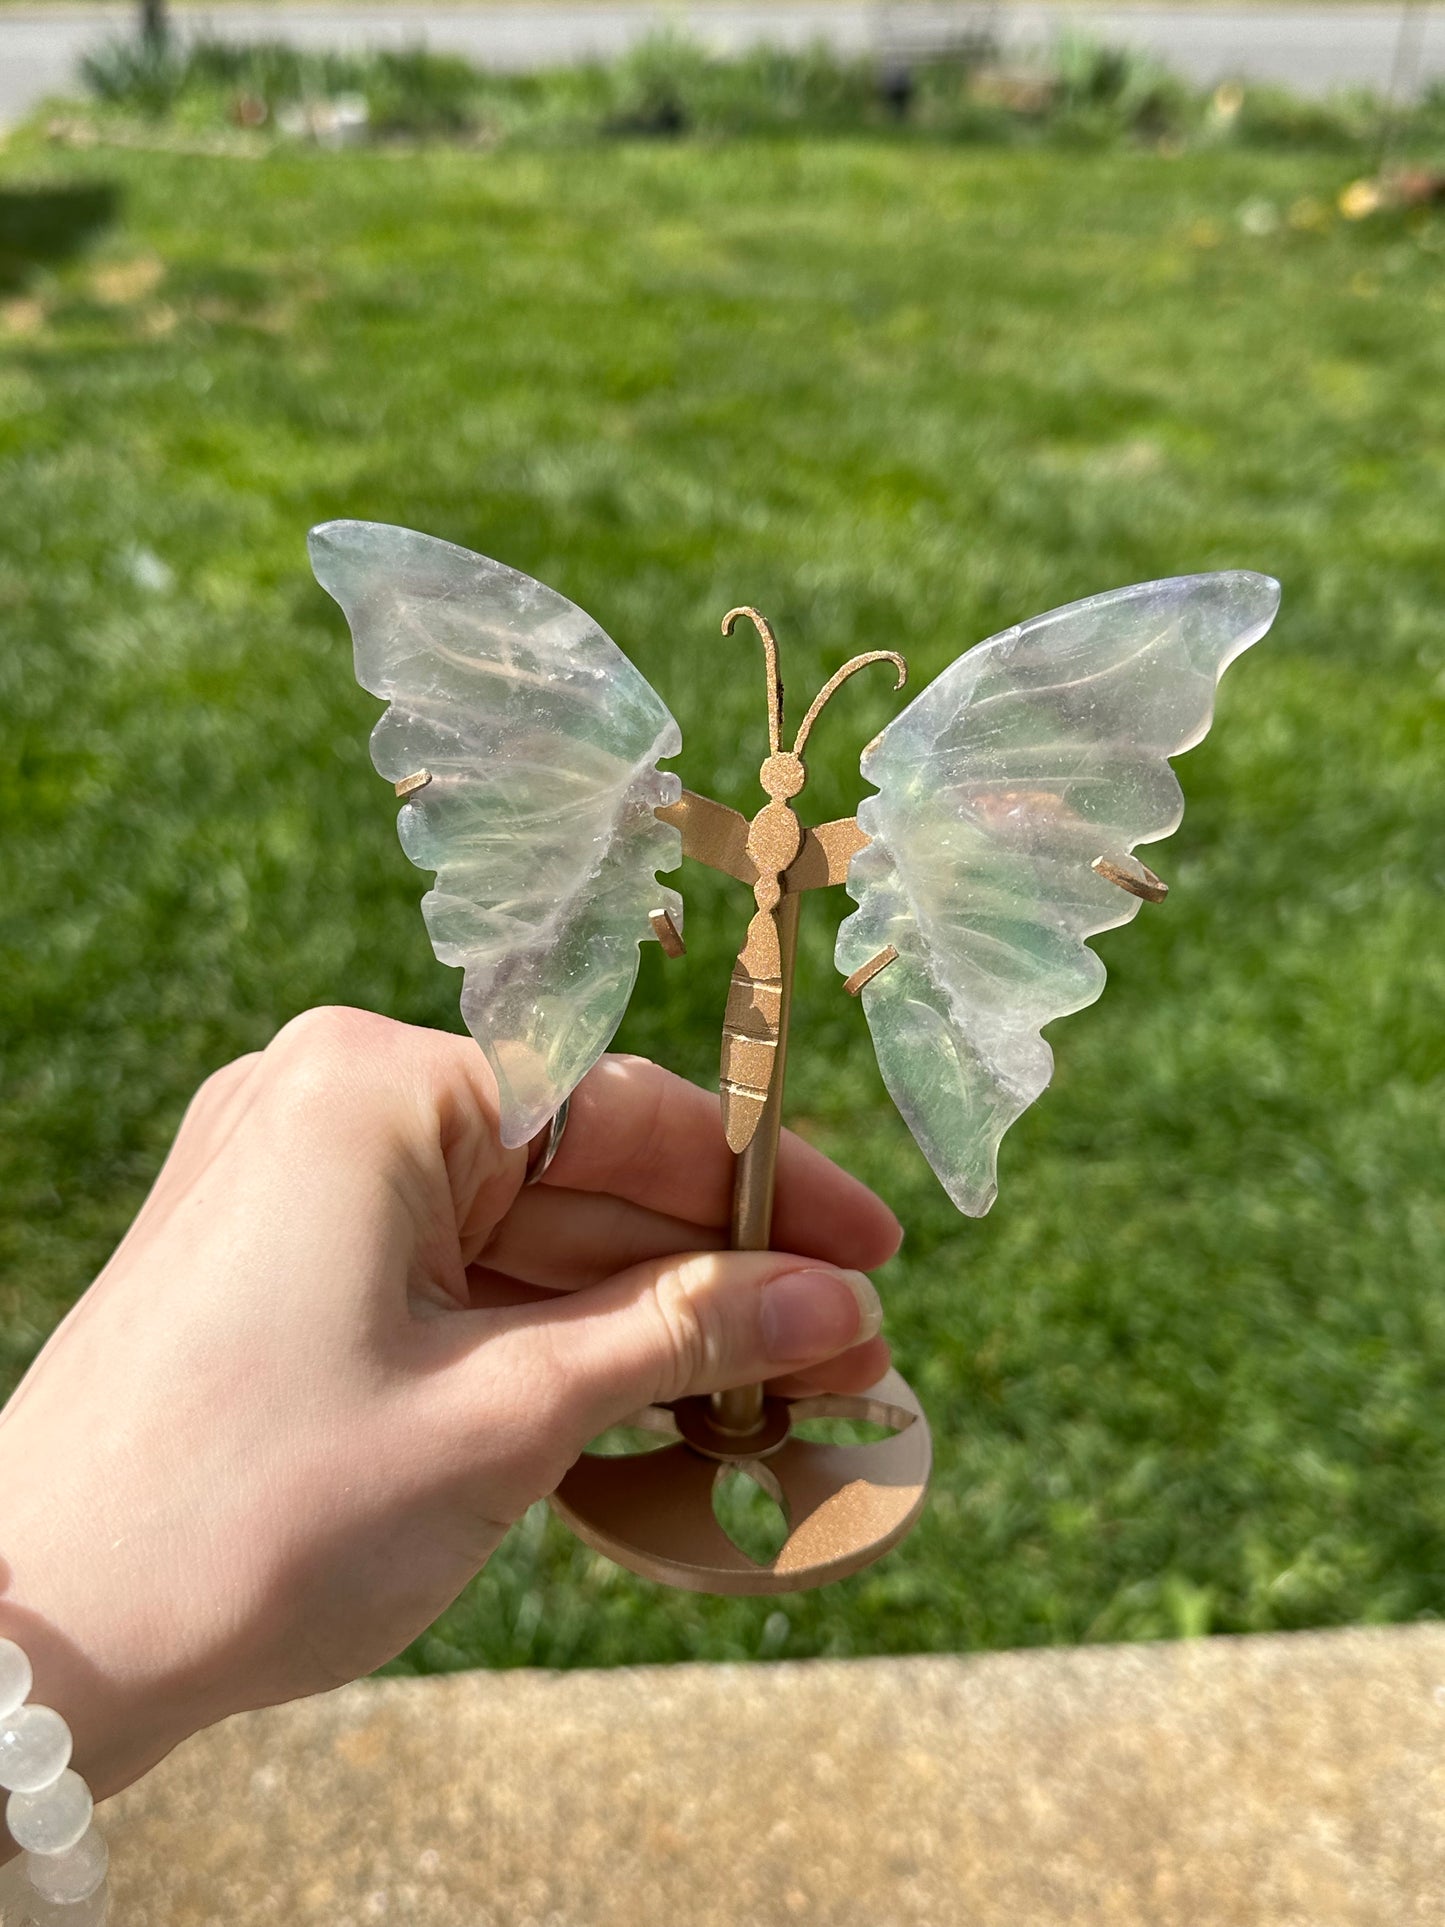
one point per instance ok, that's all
(775, 681)
(836, 681)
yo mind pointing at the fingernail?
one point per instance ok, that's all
(870, 1305)
(815, 1314)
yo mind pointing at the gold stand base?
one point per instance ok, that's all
(846, 1505)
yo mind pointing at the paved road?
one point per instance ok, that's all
(1313, 49)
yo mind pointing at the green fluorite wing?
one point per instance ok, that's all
(542, 741)
(1037, 752)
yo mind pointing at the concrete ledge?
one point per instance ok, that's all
(1283, 1782)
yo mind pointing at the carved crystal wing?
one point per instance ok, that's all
(542, 742)
(1034, 754)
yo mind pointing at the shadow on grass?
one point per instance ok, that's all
(41, 225)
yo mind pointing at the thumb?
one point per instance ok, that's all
(683, 1325)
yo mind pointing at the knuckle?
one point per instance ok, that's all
(216, 1091)
(215, 1100)
(318, 1054)
(689, 1335)
(326, 1029)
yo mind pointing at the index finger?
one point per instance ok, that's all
(639, 1132)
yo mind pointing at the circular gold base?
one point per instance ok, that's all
(845, 1505)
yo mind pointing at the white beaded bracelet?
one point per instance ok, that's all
(49, 1809)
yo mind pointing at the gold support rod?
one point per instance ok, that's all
(756, 1171)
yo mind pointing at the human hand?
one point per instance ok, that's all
(342, 1349)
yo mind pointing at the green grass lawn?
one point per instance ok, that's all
(1190, 1374)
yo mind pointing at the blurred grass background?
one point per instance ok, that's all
(1188, 1375)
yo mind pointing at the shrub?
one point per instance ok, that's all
(416, 92)
(1102, 93)
(144, 74)
(670, 86)
(1274, 117)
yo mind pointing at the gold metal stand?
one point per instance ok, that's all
(756, 1173)
(845, 1505)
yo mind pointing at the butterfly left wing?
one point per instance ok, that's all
(1035, 754)
(541, 741)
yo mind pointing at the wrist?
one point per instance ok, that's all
(68, 1599)
(118, 1734)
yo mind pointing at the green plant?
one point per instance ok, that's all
(1099, 92)
(670, 86)
(1275, 117)
(422, 93)
(142, 73)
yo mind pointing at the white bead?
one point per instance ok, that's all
(52, 1820)
(68, 1877)
(34, 1749)
(14, 1676)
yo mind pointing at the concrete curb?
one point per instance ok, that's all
(1294, 1781)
